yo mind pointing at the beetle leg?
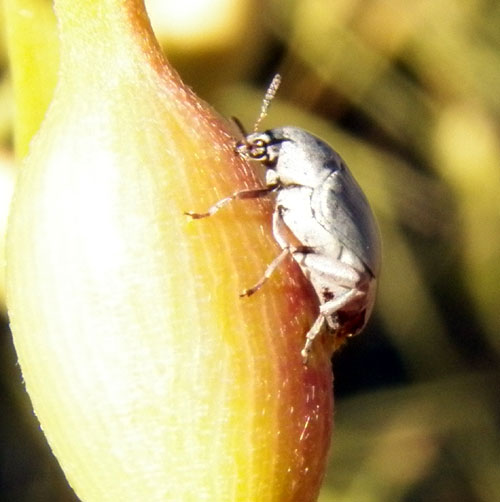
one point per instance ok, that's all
(280, 228)
(241, 194)
(286, 249)
(269, 270)
(327, 270)
(311, 335)
(333, 322)
(326, 311)
(332, 306)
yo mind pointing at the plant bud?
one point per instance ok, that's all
(151, 378)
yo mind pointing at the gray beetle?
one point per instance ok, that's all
(317, 201)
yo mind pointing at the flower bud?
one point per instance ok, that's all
(151, 378)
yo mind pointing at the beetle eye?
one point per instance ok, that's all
(255, 147)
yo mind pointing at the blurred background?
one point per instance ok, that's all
(409, 94)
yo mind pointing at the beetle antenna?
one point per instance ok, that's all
(270, 93)
(239, 125)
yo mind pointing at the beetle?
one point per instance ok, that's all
(320, 204)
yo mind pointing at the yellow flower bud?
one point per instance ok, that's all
(152, 379)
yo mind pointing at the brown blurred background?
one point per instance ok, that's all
(409, 93)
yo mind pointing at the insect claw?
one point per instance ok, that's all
(248, 292)
(305, 355)
(196, 216)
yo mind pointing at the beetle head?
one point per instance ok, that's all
(258, 146)
(296, 156)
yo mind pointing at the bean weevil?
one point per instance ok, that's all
(316, 199)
